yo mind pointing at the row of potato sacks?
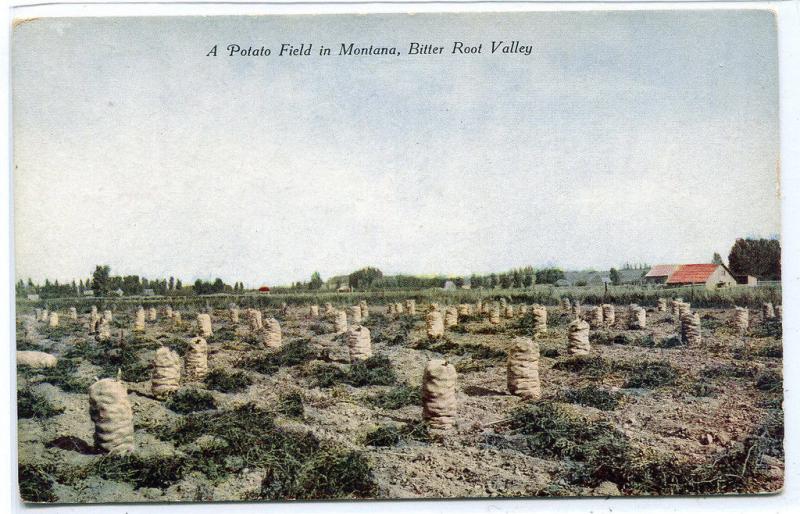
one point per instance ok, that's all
(112, 415)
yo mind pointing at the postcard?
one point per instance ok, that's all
(392, 256)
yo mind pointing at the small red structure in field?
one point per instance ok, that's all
(263, 289)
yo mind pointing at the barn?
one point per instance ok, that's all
(263, 289)
(660, 273)
(708, 275)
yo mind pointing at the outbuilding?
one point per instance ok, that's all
(660, 273)
(708, 275)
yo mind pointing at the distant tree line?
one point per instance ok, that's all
(102, 283)
(371, 278)
(760, 258)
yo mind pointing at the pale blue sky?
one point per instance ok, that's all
(624, 136)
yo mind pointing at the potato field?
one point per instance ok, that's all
(364, 397)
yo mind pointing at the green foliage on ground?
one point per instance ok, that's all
(397, 397)
(35, 484)
(115, 355)
(185, 401)
(592, 396)
(291, 405)
(649, 374)
(290, 354)
(31, 404)
(377, 370)
(640, 373)
(296, 464)
(63, 375)
(393, 435)
(225, 381)
(598, 452)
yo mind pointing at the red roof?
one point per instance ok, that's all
(661, 270)
(692, 273)
(263, 288)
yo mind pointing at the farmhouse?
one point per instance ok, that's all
(709, 275)
(659, 273)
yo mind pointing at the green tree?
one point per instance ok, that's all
(218, 286)
(528, 276)
(717, 259)
(475, 281)
(760, 258)
(100, 280)
(316, 281)
(363, 278)
(613, 274)
(549, 276)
